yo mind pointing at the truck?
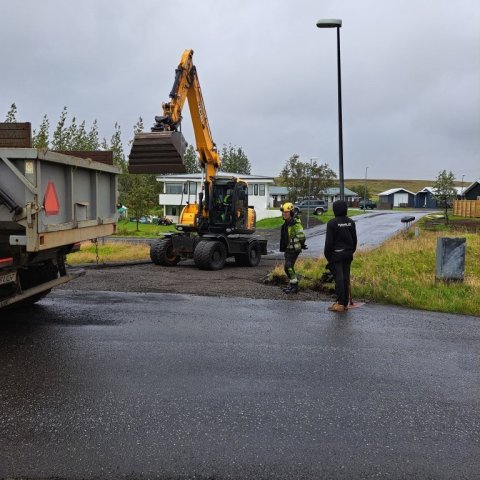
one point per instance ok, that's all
(220, 224)
(49, 203)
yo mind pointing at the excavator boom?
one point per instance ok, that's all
(162, 150)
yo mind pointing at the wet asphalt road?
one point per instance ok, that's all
(115, 385)
(373, 228)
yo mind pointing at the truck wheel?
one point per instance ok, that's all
(319, 211)
(210, 255)
(251, 258)
(34, 276)
(162, 253)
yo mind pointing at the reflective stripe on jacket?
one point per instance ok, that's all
(292, 236)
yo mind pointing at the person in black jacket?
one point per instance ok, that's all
(340, 245)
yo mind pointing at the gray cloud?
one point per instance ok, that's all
(410, 75)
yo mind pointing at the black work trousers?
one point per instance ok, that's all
(289, 265)
(341, 272)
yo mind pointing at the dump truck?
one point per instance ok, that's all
(49, 203)
(221, 223)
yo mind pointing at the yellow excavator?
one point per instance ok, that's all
(220, 224)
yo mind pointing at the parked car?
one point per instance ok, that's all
(146, 219)
(315, 206)
(367, 204)
(143, 219)
(164, 221)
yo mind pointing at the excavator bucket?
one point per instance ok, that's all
(157, 152)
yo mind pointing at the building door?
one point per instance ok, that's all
(400, 199)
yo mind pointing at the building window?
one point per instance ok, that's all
(174, 188)
(261, 189)
(250, 189)
(191, 188)
(255, 189)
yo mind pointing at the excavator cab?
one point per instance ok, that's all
(228, 209)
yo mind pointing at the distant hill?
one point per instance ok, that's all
(376, 186)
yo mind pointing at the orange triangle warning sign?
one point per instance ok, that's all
(50, 202)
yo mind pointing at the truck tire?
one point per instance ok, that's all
(34, 276)
(162, 253)
(296, 211)
(251, 258)
(210, 255)
(319, 211)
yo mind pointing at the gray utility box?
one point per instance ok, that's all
(450, 260)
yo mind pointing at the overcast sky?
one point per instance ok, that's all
(410, 75)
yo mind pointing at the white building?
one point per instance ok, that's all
(180, 189)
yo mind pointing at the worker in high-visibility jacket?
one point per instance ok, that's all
(292, 241)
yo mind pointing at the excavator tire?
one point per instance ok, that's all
(210, 255)
(251, 258)
(162, 253)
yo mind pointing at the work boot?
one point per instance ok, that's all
(292, 288)
(337, 307)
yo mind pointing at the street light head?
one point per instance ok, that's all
(329, 23)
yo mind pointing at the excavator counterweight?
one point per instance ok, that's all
(157, 152)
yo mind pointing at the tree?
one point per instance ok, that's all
(444, 190)
(305, 179)
(191, 160)
(116, 147)
(59, 141)
(11, 115)
(41, 139)
(234, 160)
(361, 190)
(140, 197)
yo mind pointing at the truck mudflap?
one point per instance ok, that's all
(39, 289)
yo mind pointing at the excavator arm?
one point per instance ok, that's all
(163, 149)
(187, 87)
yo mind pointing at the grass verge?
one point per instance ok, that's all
(129, 229)
(402, 272)
(110, 252)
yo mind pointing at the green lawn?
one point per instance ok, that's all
(129, 229)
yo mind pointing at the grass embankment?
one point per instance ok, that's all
(402, 272)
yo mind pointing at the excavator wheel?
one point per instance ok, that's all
(162, 253)
(210, 255)
(251, 258)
